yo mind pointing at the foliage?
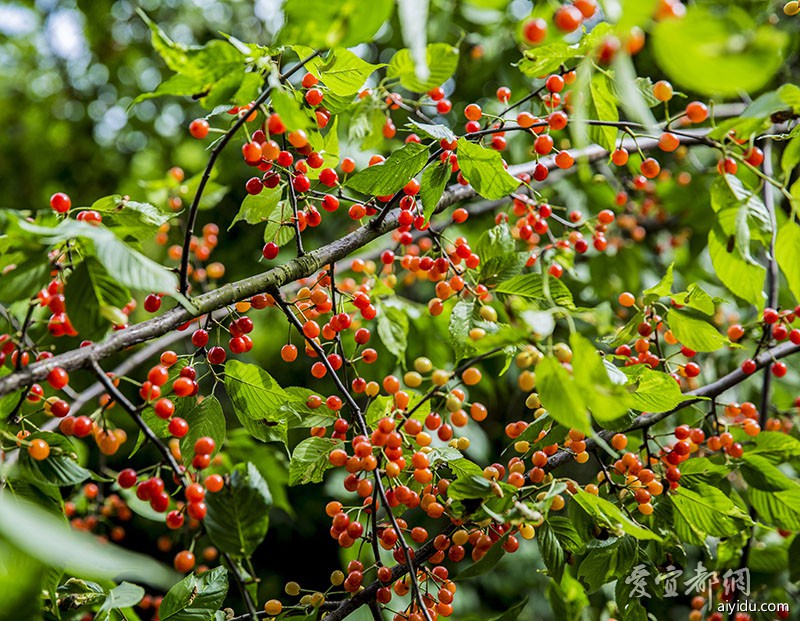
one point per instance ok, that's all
(564, 321)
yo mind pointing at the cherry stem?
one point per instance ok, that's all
(133, 412)
(363, 428)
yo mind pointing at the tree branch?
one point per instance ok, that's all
(709, 390)
(298, 268)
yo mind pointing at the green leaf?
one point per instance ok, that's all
(388, 177)
(434, 181)
(343, 72)
(124, 264)
(775, 446)
(605, 562)
(91, 295)
(703, 511)
(310, 460)
(470, 487)
(238, 515)
(790, 157)
(702, 471)
(652, 391)
(695, 333)
(257, 400)
(544, 59)
(205, 419)
(257, 208)
(612, 517)
(742, 278)
(694, 297)
(195, 598)
(552, 553)
(567, 597)
(557, 392)
(461, 322)
(780, 509)
(760, 473)
(741, 213)
(662, 289)
(437, 132)
(328, 23)
(787, 254)
(532, 286)
(607, 401)
(286, 104)
(483, 169)
(602, 105)
(123, 596)
(442, 61)
(718, 52)
(49, 539)
(59, 469)
(393, 330)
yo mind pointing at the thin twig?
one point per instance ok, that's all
(252, 613)
(134, 413)
(363, 428)
(215, 153)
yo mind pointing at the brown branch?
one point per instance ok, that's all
(133, 412)
(301, 267)
(709, 390)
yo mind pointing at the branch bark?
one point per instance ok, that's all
(300, 267)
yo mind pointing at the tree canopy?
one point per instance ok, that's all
(420, 310)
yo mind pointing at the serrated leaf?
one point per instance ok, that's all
(293, 115)
(544, 59)
(343, 72)
(195, 598)
(695, 333)
(205, 419)
(704, 511)
(124, 264)
(310, 460)
(483, 169)
(238, 515)
(602, 105)
(437, 132)
(124, 595)
(533, 287)
(612, 516)
(742, 278)
(257, 400)
(434, 181)
(557, 392)
(775, 446)
(780, 509)
(652, 391)
(442, 60)
(257, 208)
(88, 290)
(60, 469)
(392, 325)
(390, 176)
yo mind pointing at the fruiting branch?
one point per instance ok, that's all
(301, 267)
(215, 153)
